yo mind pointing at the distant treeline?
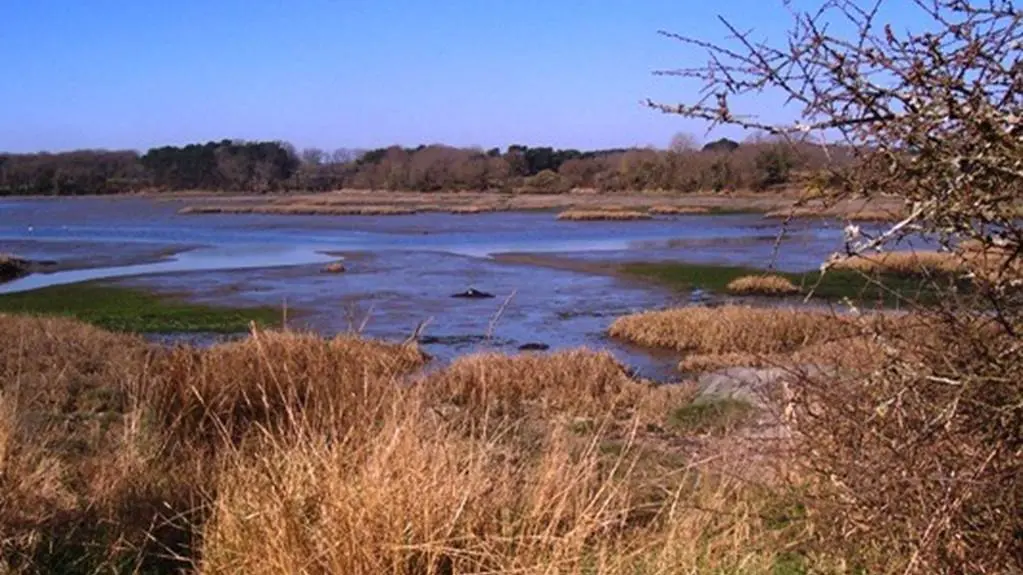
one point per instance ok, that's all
(274, 166)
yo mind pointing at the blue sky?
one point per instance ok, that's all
(352, 73)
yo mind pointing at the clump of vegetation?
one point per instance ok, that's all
(602, 215)
(856, 214)
(712, 415)
(733, 329)
(473, 209)
(678, 210)
(288, 452)
(903, 262)
(913, 466)
(300, 210)
(130, 310)
(12, 267)
(764, 284)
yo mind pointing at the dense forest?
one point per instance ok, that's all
(235, 166)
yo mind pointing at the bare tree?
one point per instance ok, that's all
(313, 156)
(683, 142)
(920, 458)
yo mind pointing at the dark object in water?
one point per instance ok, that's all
(473, 293)
(334, 268)
(12, 268)
(534, 346)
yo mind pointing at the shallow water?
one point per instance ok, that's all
(402, 269)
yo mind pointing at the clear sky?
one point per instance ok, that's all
(352, 73)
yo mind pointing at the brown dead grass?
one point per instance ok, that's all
(982, 263)
(300, 210)
(904, 262)
(290, 453)
(789, 338)
(602, 215)
(474, 209)
(771, 285)
(857, 213)
(732, 329)
(857, 352)
(678, 210)
(578, 199)
(733, 335)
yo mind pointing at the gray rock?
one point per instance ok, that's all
(745, 383)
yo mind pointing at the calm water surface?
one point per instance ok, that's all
(402, 269)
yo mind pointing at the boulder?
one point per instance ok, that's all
(749, 384)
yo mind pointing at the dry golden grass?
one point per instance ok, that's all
(678, 210)
(981, 263)
(732, 329)
(602, 215)
(904, 262)
(854, 213)
(428, 498)
(734, 335)
(289, 453)
(474, 209)
(578, 199)
(235, 387)
(581, 383)
(767, 284)
(300, 210)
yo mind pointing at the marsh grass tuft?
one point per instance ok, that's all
(474, 209)
(904, 263)
(303, 209)
(678, 210)
(287, 452)
(734, 329)
(855, 214)
(602, 215)
(763, 284)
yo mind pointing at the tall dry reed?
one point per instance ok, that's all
(733, 329)
(287, 452)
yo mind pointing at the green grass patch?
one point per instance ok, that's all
(888, 289)
(716, 416)
(132, 310)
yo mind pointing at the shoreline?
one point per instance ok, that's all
(774, 204)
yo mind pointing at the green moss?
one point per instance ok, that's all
(131, 310)
(887, 289)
